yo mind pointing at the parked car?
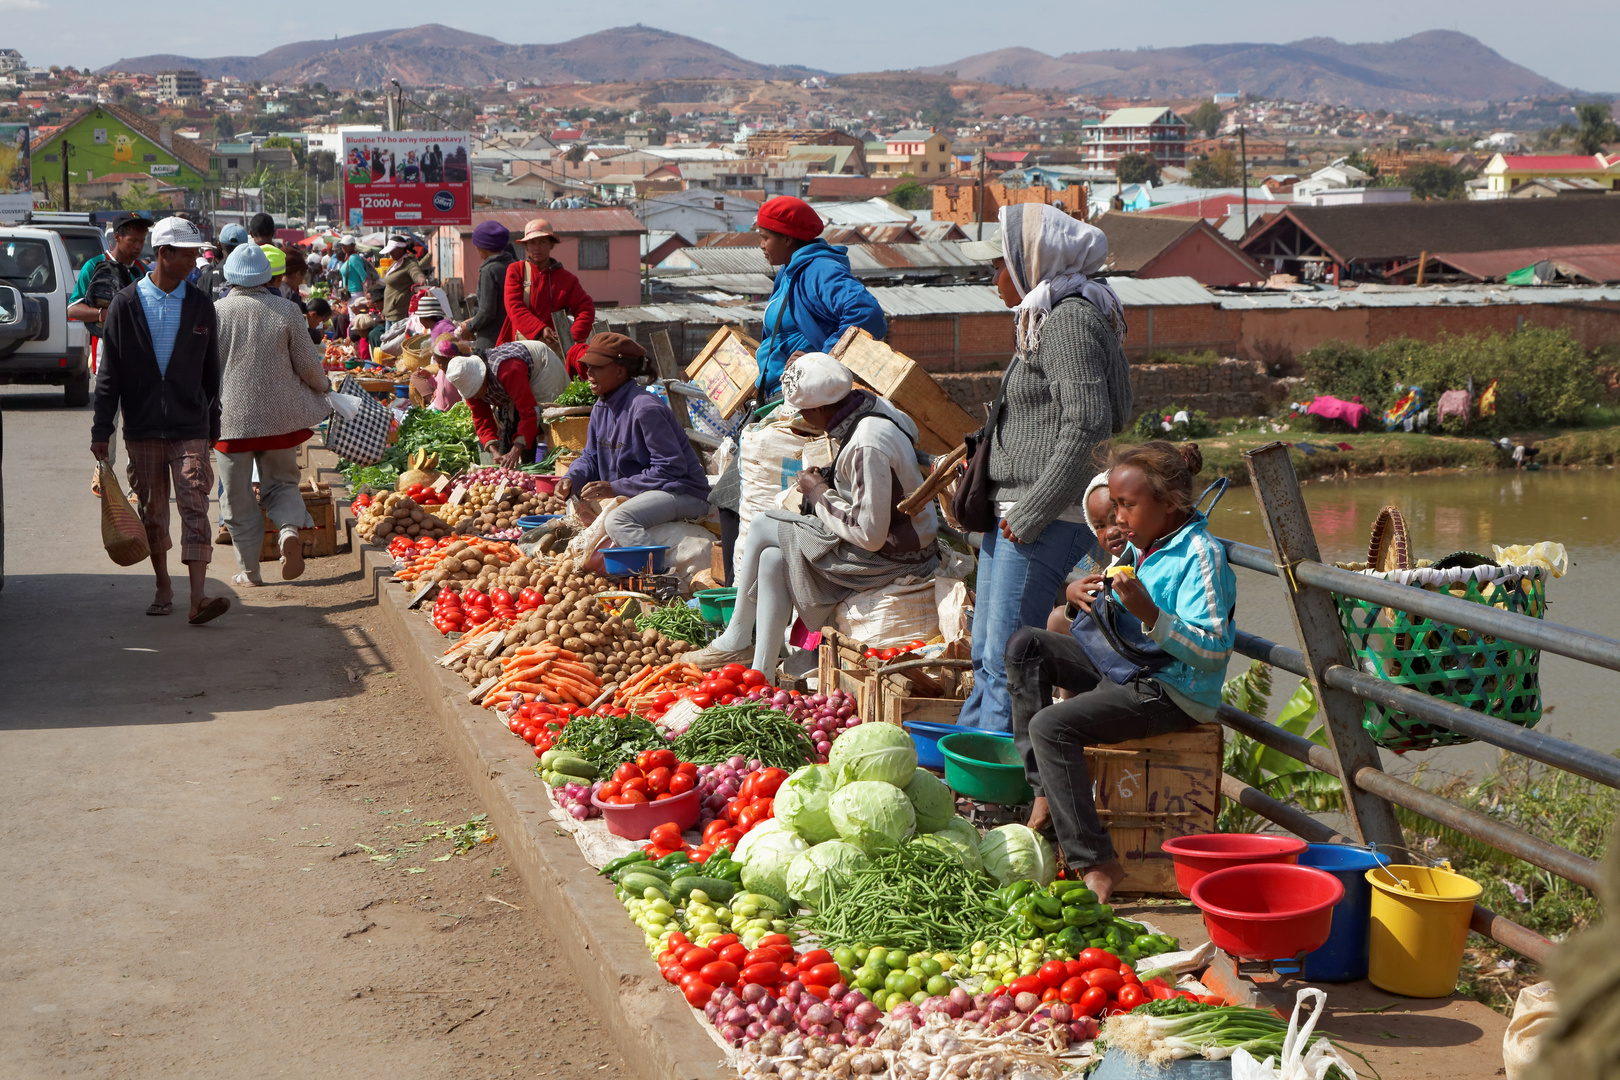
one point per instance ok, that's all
(38, 343)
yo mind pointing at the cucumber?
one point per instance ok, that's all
(644, 868)
(576, 767)
(719, 892)
(638, 883)
(557, 779)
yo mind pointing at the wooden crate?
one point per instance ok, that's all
(319, 541)
(941, 422)
(900, 699)
(843, 666)
(725, 370)
(1150, 790)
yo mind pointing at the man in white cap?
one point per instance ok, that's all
(160, 365)
(355, 269)
(403, 275)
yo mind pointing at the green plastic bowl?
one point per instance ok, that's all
(715, 605)
(985, 768)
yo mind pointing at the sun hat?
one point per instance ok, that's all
(466, 374)
(177, 232)
(611, 348)
(538, 227)
(491, 236)
(247, 266)
(276, 257)
(814, 380)
(350, 240)
(791, 217)
(982, 250)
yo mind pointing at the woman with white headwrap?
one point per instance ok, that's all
(850, 536)
(1067, 389)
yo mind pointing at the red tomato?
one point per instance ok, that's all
(1073, 969)
(702, 700)
(719, 973)
(1130, 996)
(635, 797)
(775, 941)
(820, 975)
(752, 678)
(721, 687)
(658, 780)
(722, 941)
(817, 991)
(637, 783)
(767, 781)
(696, 958)
(718, 825)
(735, 953)
(1092, 1002)
(1049, 994)
(727, 838)
(1026, 984)
(1105, 979)
(667, 835)
(752, 814)
(814, 957)
(732, 671)
(765, 973)
(763, 955)
(680, 784)
(664, 700)
(887, 654)
(608, 790)
(1052, 973)
(697, 992)
(1072, 990)
(627, 771)
(1096, 958)
(687, 768)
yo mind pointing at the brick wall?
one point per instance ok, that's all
(955, 202)
(1229, 388)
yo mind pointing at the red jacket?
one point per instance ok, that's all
(552, 289)
(514, 378)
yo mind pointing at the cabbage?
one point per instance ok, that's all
(801, 802)
(756, 834)
(874, 752)
(870, 814)
(765, 868)
(815, 873)
(934, 803)
(1018, 853)
(960, 832)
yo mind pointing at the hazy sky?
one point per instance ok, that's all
(1571, 43)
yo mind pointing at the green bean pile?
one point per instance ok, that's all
(748, 730)
(677, 621)
(919, 897)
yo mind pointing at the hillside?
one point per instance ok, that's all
(434, 54)
(1435, 68)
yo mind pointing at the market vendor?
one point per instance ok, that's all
(815, 299)
(539, 286)
(499, 390)
(851, 536)
(634, 449)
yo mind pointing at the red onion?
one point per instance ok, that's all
(754, 1030)
(817, 1030)
(1061, 1012)
(837, 991)
(856, 1027)
(819, 1014)
(781, 1016)
(974, 1015)
(999, 1007)
(732, 1034)
(854, 999)
(793, 991)
(1027, 1002)
(868, 1013)
(753, 992)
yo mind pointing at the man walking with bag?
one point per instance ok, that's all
(160, 365)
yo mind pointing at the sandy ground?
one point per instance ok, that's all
(225, 847)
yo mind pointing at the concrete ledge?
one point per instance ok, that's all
(604, 949)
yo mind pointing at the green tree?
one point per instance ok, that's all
(911, 195)
(1553, 138)
(1434, 182)
(1359, 159)
(224, 127)
(1205, 118)
(1597, 127)
(1220, 169)
(1137, 169)
(942, 109)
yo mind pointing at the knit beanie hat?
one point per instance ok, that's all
(247, 265)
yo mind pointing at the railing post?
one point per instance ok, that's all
(1316, 622)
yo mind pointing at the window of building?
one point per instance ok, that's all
(230, 163)
(52, 158)
(593, 253)
(925, 166)
(148, 157)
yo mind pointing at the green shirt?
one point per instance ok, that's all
(81, 284)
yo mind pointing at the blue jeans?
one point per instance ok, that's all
(1018, 585)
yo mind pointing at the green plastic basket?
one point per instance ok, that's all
(985, 768)
(1477, 671)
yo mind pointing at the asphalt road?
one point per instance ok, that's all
(225, 847)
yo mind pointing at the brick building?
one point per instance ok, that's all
(958, 198)
(780, 143)
(1159, 247)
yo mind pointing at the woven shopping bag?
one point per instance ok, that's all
(364, 438)
(122, 533)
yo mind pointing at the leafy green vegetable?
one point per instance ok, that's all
(934, 803)
(1018, 853)
(677, 621)
(882, 752)
(449, 434)
(801, 801)
(577, 394)
(815, 875)
(608, 741)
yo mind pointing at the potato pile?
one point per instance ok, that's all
(394, 515)
(480, 504)
(572, 618)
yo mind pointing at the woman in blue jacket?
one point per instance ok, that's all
(814, 300)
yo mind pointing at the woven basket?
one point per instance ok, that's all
(569, 431)
(1477, 671)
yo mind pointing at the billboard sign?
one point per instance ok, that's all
(16, 176)
(407, 179)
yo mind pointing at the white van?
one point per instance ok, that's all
(38, 343)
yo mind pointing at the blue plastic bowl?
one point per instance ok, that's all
(927, 736)
(634, 560)
(534, 521)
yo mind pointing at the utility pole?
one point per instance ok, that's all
(1243, 156)
(66, 201)
(393, 114)
(978, 206)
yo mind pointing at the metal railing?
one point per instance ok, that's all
(1341, 689)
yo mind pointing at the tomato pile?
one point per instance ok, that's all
(755, 800)
(406, 548)
(1095, 983)
(458, 612)
(885, 655)
(654, 776)
(719, 687)
(700, 970)
(424, 495)
(538, 723)
(361, 501)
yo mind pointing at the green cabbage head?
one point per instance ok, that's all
(801, 802)
(872, 815)
(815, 874)
(934, 803)
(874, 751)
(1018, 853)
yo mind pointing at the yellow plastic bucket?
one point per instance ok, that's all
(1419, 925)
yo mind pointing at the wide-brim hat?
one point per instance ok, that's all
(537, 228)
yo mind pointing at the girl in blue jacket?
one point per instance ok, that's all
(1178, 597)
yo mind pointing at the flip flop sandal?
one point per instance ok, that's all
(212, 608)
(292, 557)
(160, 609)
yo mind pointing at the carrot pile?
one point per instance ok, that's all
(553, 673)
(644, 688)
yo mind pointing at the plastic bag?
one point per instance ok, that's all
(122, 532)
(1547, 555)
(1534, 1013)
(893, 615)
(1301, 1060)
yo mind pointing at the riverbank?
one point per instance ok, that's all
(1376, 453)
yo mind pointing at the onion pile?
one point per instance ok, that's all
(719, 784)
(576, 799)
(846, 1018)
(823, 716)
(492, 474)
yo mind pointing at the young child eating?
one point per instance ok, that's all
(1173, 582)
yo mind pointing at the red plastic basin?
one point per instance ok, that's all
(1206, 853)
(636, 821)
(1266, 910)
(546, 485)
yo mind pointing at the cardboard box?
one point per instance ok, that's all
(1150, 790)
(941, 422)
(725, 369)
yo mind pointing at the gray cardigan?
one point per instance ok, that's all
(273, 383)
(1060, 404)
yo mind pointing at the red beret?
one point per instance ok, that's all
(790, 217)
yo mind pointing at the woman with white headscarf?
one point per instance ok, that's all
(1067, 389)
(849, 537)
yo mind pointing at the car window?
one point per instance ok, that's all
(26, 263)
(81, 248)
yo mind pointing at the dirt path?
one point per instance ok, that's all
(229, 850)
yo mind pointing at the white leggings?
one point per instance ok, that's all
(772, 610)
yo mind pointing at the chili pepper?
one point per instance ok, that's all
(621, 862)
(672, 860)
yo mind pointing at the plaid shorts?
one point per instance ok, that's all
(190, 462)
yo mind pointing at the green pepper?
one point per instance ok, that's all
(1016, 890)
(1050, 906)
(1077, 916)
(672, 860)
(1046, 925)
(1071, 941)
(621, 862)
(1147, 944)
(723, 869)
(1097, 943)
(1024, 929)
(1074, 893)
(687, 870)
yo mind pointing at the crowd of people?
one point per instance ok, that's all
(210, 355)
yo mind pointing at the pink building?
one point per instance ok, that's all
(602, 247)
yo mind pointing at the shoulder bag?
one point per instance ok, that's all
(972, 505)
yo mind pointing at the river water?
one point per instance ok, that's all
(1446, 513)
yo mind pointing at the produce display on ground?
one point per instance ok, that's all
(397, 513)
(448, 434)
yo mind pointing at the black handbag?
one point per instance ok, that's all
(1115, 643)
(972, 505)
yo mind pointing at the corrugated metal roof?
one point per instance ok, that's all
(564, 222)
(719, 260)
(903, 300)
(870, 212)
(876, 260)
(1389, 296)
(676, 313)
(740, 284)
(1161, 292)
